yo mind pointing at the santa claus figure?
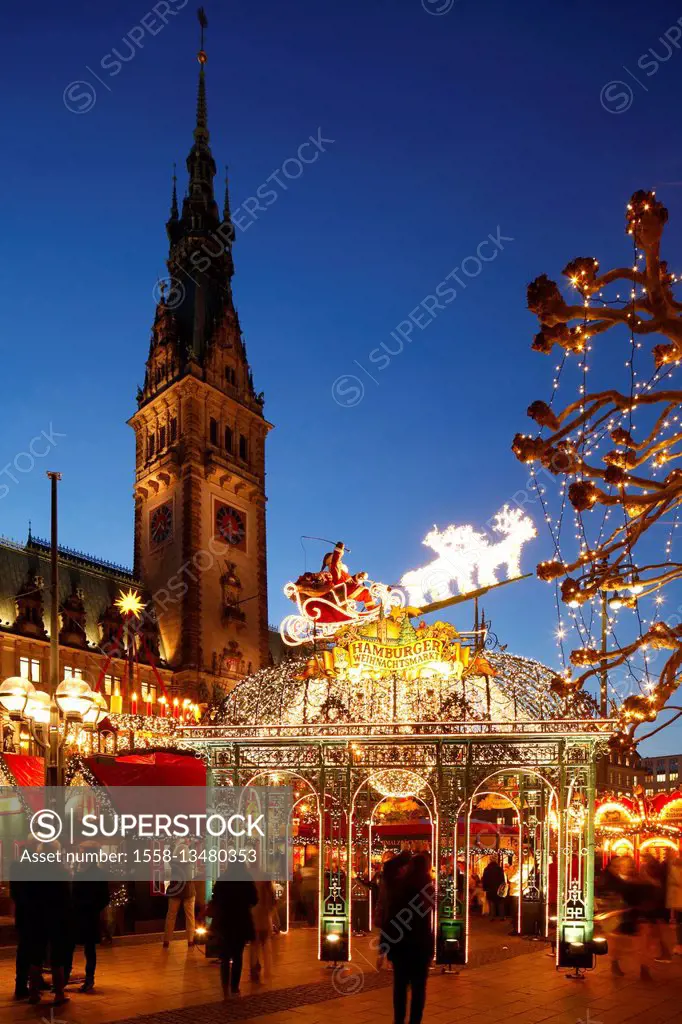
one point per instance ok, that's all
(331, 595)
(350, 588)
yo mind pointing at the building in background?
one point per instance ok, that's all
(90, 626)
(200, 450)
(660, 774)
(200, 550)
(619, 773)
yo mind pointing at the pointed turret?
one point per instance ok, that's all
(227, 212)
(173, 222)
(196, 329)
(199, 209)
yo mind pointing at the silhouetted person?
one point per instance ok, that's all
(181, 892)
(408, 937)
(50, 911)
(90, 895)
(262, 915)
(234, 894)
(674, 897)
(653, 876)
(19, 890)
(494, 880)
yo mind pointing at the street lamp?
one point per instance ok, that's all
(38, 708)
(74, 699)
(97, 711)
(49, 717)
(15, 694)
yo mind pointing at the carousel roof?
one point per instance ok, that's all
(287, 694)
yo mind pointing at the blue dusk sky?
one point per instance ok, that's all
(445, 123)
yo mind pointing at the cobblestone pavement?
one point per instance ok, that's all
(510, 981)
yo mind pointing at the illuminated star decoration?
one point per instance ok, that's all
(130, 603)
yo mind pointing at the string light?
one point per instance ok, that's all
(601, 577)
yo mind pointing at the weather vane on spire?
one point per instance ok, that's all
(203, 21)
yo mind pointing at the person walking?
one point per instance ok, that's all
(234, 894)
(673, 900)
(512, 874)
(494, 884)
(262, 914)
(391, 873)
(181, 892)
(49, 927)
(20, 892)
(408, 937)
(90, 895)
(654, 879)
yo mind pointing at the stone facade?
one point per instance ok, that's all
(200, 452)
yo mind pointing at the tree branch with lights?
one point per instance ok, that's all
(633, 477)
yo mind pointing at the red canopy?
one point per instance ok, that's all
(27, 770)
(156, 769)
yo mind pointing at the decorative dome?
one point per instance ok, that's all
(304, 692)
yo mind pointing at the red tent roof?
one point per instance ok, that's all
(156, 769)
(27, 770)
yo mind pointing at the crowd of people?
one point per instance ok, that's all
(51, 919)
(244, 912)
(639, 906)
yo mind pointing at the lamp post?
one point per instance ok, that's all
(53, 748)
(603, 671)
(48, 714)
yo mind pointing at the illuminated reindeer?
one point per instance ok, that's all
(467, 558)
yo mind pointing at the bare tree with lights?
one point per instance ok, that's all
(636, 478)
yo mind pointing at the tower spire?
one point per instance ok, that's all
(174, 198)
(200, 162)
(201, 129)
(227, 213)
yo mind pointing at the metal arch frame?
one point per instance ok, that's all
(519, 838)
(320, 818)
(456, 762)
(433, 813)
(553, 796)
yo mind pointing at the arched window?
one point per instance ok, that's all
(213, 432)
(228, 439)
(243, 448)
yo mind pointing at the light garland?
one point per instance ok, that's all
(634, 476)
(398, 783)
(287, 694)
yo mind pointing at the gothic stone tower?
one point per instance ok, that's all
(200, 451)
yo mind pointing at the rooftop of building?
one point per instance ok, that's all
(25, 568)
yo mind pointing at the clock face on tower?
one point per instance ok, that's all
(161, 524)
(230, 525)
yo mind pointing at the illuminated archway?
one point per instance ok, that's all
(539, 838)
(270, 777)
(394, 783)
(473, 804)
(659, 841)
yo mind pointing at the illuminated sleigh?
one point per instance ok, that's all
(323, 609)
